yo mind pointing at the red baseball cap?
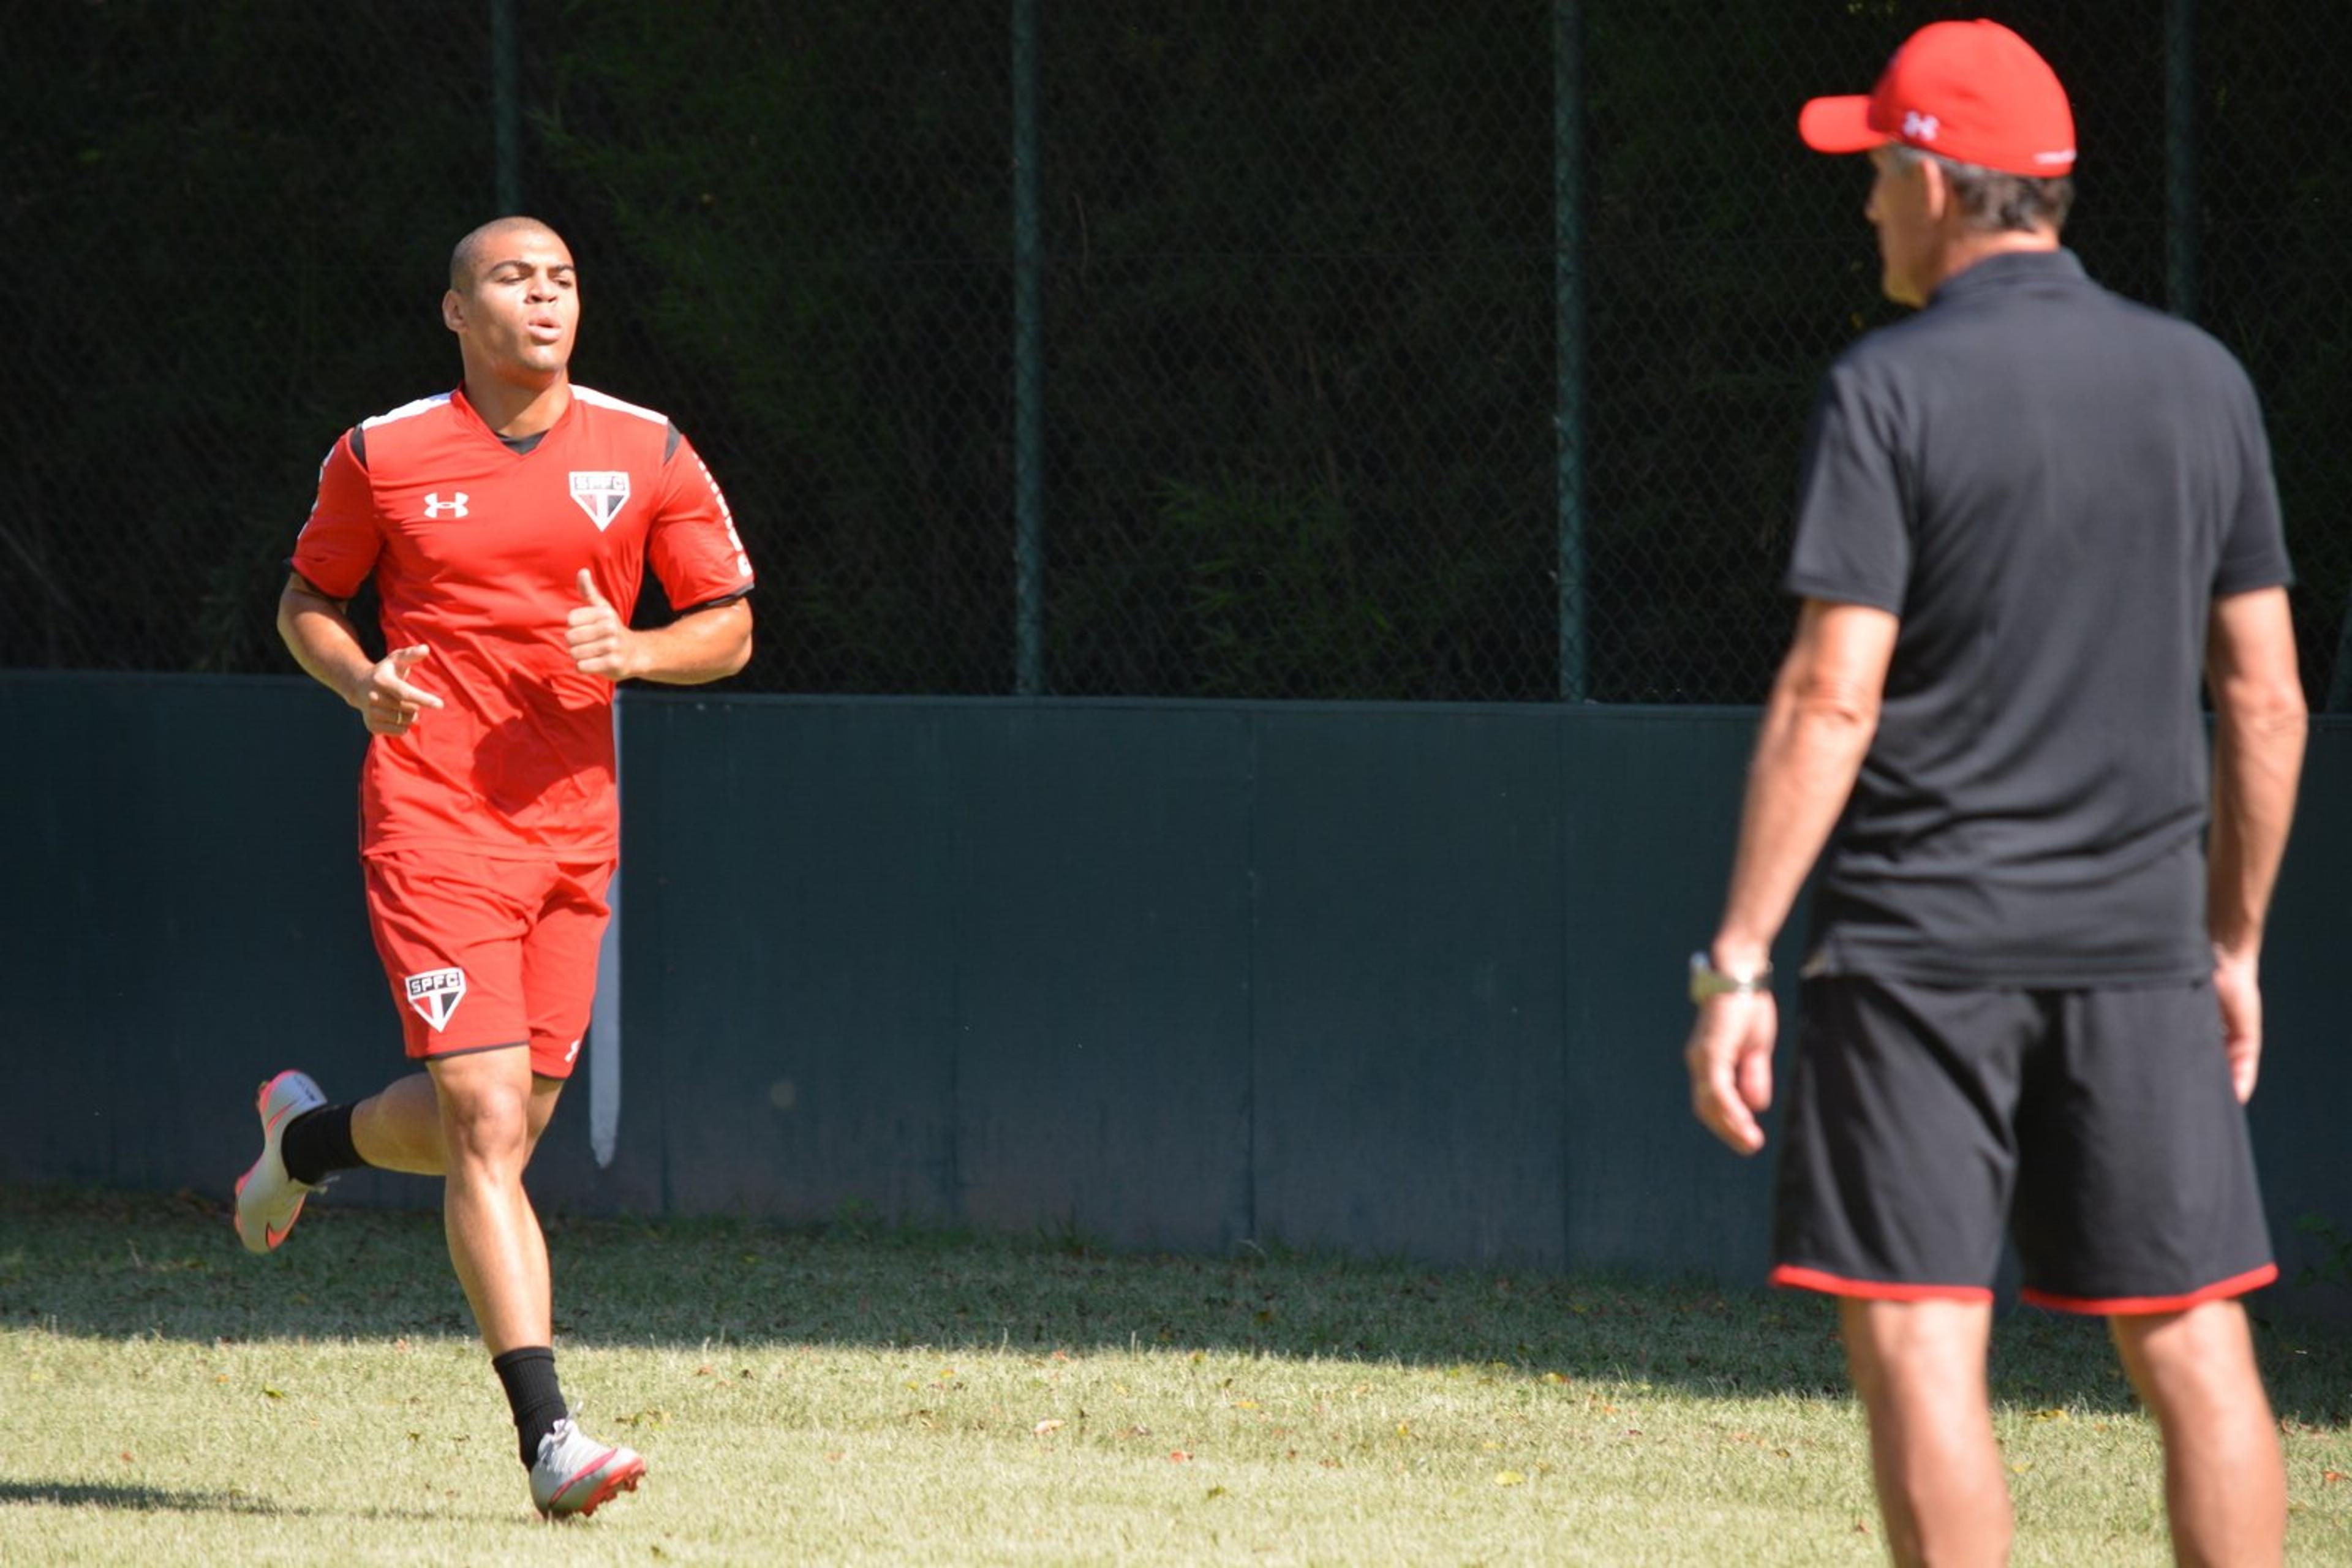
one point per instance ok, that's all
(1974, 92)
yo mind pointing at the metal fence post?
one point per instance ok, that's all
(1028, 393)
(2180, 158)
(1568, 326)
(506, 108)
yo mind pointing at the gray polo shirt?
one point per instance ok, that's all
(2049, 485)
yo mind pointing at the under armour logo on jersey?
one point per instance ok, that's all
(1921, 126)
(601, 493)
(435, 506)
(436, 993)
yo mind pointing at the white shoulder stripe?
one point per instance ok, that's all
(596, 399)
(407, 410)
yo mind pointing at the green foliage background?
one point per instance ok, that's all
(1301, 401)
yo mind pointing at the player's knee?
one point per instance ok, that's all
(2203, 1354)
(488, 1127)
(1908, 1353)
(2195, 1332)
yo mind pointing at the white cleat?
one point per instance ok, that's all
(268, 1201)
(574, 1473)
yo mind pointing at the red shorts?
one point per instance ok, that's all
(484, 952)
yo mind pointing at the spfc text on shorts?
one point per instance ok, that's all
(435, 994)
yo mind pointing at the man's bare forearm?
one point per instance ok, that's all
(320, 638)
(1807, 757)
(2257, 764)
(1817, 728)
(2259, 724)
(706, 644)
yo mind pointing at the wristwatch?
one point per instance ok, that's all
(1706, 980)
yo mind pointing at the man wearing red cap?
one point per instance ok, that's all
(2031, 517)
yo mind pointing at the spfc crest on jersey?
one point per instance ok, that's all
(435, 994)
(601, 493)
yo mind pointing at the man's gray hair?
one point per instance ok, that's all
(1995, 202)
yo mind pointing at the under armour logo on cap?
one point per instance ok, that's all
(1919, 127)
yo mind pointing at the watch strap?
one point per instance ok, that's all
(1707, 982)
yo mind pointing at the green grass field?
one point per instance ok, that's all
(846, 1395)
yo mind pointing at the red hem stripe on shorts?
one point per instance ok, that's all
(1789, 1274)
(2236, 1285)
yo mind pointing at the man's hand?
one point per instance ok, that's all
(385, 699)
(601, 643)
(2239, 992)
(1730, 1061)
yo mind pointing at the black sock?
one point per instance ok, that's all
(528, 1375)
(318, 1142)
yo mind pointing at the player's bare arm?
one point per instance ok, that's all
(1817, 727)
(319, 635)
(702, 645)
(2259, 724)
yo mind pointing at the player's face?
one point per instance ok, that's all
(519, 316)
(1900, 210)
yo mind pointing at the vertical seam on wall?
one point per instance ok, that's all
(662, 987)
(956, 897)
(1249, 973)
(1568, 980)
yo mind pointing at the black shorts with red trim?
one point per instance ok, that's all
(2098, 1127)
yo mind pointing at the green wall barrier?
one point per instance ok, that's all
(1394, 980)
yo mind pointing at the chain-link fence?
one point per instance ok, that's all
(1327, 349)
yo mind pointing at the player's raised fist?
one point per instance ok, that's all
(601, 642)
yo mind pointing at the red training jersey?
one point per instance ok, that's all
(477, 550)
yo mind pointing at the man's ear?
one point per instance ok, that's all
(1937, 193)
(453, 310)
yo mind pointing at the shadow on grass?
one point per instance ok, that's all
(163, 1499)
(118, 1265)
(135, 1499)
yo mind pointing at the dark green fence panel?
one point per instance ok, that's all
(1394, 980)
(1653, 810)
(1102, 1041)
(1409, 1081)
(790, 955)
(181, 912)
(2300, 1106)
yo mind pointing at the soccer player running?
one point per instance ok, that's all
(2031, 515)
(506, 526)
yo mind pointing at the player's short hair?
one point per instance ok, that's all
(1994, 202)
(468, 255)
